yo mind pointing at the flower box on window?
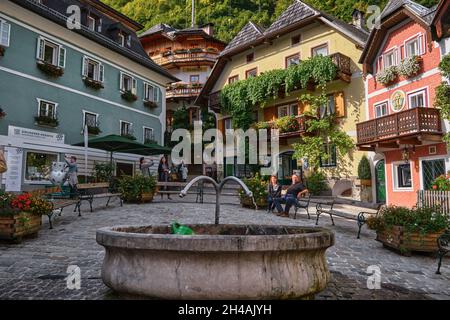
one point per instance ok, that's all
(2, 51)
(166, 53)
(47, 121)
(196, 50)
(410, 67)
(150, 104)
(211, 50)
(181, 51)
(129, 96)
(94, 84)
(196, 85)
(388, 76)
(129, 136)
(50, 69)
(94, 130)
(2, 113)
(150, 141)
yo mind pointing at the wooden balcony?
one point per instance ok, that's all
(302, 122)
(411, 127)
(343, 64)
(180, 59)
(183, 91)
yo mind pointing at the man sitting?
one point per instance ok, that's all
(294, 192)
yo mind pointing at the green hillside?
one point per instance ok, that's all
(229, 16)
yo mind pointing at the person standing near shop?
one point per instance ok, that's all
(72, 174)
(144, 166)
(163, 174)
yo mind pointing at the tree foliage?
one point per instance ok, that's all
(229, 16)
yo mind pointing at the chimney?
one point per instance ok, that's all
(209, 29)
(358, 19)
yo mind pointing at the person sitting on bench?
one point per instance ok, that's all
(274, 195)
(294, 192)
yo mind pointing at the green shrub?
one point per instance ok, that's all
(258, 185)
(364, 172)
(103, 172)
(287, 124)
(444, 66)
(316, 183)
(132, 188)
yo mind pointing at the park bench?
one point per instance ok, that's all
(303, 203)
(176, 188)
(91, 191)
(326, 207)
(444, 248)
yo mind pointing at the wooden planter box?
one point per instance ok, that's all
(147, 197)
(396, 238)
(248, 203)
(14, 229)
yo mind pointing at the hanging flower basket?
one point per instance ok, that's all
(410, 67)
(94, 130)
(150, 104)
(129, 136)
(50, 69)
(387, 76)
(129, 96)
(97, 85)
(47, 121)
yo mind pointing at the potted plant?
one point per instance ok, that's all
(138, 189)
(287, 124)
(150, 104)
(442, 183)
(129, 96)
(409, 230)
(50, 69)
(364, 172)
(47, 121)
(410, 67)
(21, 215)
(259, 188)
(387, 76)
(91, 83)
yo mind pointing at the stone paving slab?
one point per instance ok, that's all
(36, 269)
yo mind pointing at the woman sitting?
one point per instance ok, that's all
(274, 195)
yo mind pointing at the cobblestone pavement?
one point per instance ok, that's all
(36, 269)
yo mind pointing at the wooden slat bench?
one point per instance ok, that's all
(90, 191)
(178, 186)
(444, 248)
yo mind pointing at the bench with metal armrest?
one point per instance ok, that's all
(325, 207)
(362, 218)
(303, 203)
(444, 248)
(91, 191)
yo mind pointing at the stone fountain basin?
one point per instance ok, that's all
(219, 262)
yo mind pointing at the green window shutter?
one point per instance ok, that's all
(62, 57)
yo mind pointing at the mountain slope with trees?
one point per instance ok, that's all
(229, 16)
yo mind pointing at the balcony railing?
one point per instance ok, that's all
(185, 57)
(302, 127)
(183, 91)
(399, 125)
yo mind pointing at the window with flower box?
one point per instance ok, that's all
(93, 70)
(414, 47)
(288, 110)
(51, 53)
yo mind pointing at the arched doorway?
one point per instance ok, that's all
(380, 181)
(287, 165)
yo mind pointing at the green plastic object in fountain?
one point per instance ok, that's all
(181, 230)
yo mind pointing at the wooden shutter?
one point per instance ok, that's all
(270, 114)
(303, 107)
(339, 102)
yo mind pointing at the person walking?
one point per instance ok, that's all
(183, 171)
(274, 195)
(72, 174)
(163, 174)
(294, 192)
(144, 166)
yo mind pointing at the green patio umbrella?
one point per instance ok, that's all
(115, 143)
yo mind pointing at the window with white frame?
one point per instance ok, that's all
(402, 176)
(128, 83)
(5, 33)
(228, 123)
(414, 47)
(331, 159)
(390, 58)
(381, 109)
(288, 110)
(148, 135)
(47, 109)
(417, 99)
(151, 93)
(91, 23)
(91, 119)
(93, 69)
(121, 39)
(329, 109)
(292, 60)
(320, 50)
(126, 128)
(51, 53)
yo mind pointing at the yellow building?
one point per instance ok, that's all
(298, 34)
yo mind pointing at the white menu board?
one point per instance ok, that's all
(14, 174)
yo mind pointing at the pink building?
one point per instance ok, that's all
(404, 131)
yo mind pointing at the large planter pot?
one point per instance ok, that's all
(247, 202)
(147, 197)
(398, 239)
(218, 262)
(14, 228)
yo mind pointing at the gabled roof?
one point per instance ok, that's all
(56, 11)
(160, 27)
(414, 10)
(249, 34)
(296, 12)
